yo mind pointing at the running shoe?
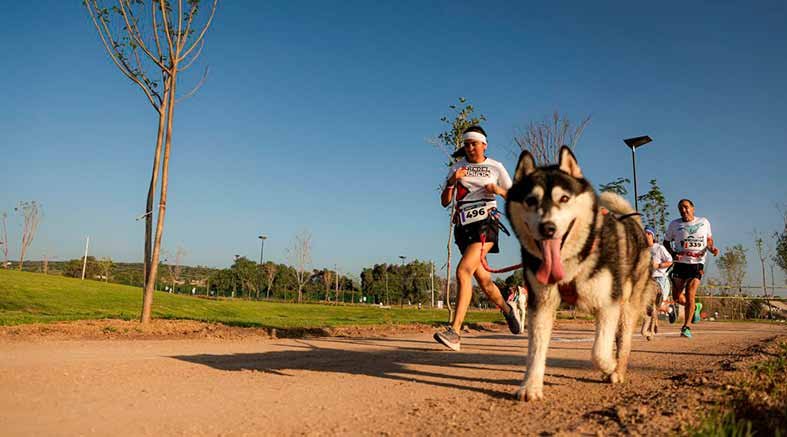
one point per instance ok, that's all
(514, 318)
(672, 313)
(697, 309)
(449, 338)
(685, 332)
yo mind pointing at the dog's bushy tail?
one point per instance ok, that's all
(616, 204)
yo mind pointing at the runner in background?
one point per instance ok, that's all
(688, 239)
(662, 260)
(474, 181)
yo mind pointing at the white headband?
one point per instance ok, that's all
(474, 136)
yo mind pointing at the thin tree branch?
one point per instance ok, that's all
(112, 52)
(202, 33)
(192, 12)
(194, 58)
(165, 21)
(142, 73)
(155, 31)
(196, 87)
(134, 32)
(180, 24)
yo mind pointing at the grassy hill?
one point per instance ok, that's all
(36, 298)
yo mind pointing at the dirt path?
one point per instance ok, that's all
(405, 385)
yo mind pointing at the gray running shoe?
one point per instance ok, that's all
(448, 338)
(514, 318)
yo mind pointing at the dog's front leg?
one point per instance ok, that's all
(542, 305)
(607, 319)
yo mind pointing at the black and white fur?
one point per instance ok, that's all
(605, 257)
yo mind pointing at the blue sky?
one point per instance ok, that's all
(316, 116)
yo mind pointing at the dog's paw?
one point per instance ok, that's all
(529, 394)
(614, 377)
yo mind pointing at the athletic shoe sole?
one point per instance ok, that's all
(455, 346)
(514, 318)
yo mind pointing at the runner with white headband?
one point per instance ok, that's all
(474, 181)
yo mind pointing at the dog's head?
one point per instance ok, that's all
(549, 208)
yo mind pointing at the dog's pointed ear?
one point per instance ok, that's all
(568, 162)
(526, 165)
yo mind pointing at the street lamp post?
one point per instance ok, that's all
(262, 248)
(633, 143)
(235, 279)
(401, 302)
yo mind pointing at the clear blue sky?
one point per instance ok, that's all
(316, 117)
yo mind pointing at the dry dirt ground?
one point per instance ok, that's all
(188, 378)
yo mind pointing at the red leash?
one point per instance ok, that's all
(486, 266)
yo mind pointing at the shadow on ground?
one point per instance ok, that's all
(394, 363)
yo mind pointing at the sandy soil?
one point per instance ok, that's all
(98, 379)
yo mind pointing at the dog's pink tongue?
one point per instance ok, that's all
(551, 267)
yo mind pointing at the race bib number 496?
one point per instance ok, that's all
(475, 212)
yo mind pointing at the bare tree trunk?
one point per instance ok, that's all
(152, 192)
(448, 269)
(4, 241)
(147, 298)
(337, 287)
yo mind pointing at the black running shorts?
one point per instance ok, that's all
(471, 233)
(687, 271)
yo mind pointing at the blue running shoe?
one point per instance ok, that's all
(685, 332)
(697, 318)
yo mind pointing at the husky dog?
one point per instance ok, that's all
(650, 323)
(585, 249)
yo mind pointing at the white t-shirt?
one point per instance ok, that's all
(690, 239)
(471, 187)
(660, 254)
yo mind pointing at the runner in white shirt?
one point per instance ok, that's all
(474, 181)
(661, 262)
(688, 239)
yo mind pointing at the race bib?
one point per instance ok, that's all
(475, 212)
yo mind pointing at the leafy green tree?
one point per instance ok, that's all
(780, 254)
(618, 186)
(222, 282)
(73, 268)
(286, 281)
(654, 208)
(105, 265)
(732, 264)
(269, 271)
(398, 283)
(247, 276)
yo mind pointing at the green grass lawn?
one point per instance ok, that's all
(36, 298)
